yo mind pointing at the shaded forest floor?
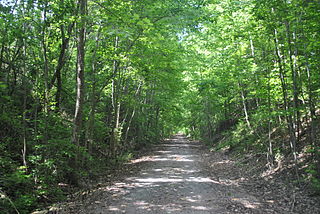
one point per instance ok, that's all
(181, 176)
(277, 188)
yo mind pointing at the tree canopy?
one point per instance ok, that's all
(84, 83)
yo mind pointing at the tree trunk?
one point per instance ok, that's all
(270, 157)
(1, 57)
(244, 104)
(115, 105)
(94, 100)
(132, 114)
(312, 110)
(285, 96)
(292, 59)
(24, 105)
(77, 122)
(24, 124)
(46, 75)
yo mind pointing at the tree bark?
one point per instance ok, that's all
(285, 95)
(24, 105)
(245, 109)
(295, 91)
(61, 62)
(132, 114)
(116, 105)
(77, 122)
(270, 157)
(93, 101)
(312, 112)
(46, 74)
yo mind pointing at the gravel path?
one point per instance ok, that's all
(172, 180)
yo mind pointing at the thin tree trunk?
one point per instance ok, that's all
(133, 113)
(1, 56)
(115, 105)
(270, 157)
(77, 122)
(24, 107)
(65, 40)
(94, 100)
(285, 96)
(245, 109)
(270, 147)
(255, 73)
(46, 74)
(312, 110)
(292, 59)
(24, 124)
(61, 62)
(208, 119)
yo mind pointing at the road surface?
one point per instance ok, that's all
(174, 180)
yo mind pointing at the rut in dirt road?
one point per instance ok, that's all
(173, 180)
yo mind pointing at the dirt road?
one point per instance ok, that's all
(172, 180)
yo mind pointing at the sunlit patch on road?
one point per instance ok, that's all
(172, 180)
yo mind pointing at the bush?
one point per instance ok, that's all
(19, 191)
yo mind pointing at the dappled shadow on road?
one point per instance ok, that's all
(171, 180)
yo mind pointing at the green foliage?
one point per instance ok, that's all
(314, 177)
(238, 71)
(250, 70)
(19, 188)
(133, 87)
(125, 157)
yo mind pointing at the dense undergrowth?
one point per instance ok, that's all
(50, 174)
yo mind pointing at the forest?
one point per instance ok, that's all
(86, 83)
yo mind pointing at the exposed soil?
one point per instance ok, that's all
(181, 176)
